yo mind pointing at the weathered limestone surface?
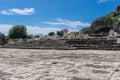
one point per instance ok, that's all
(112, 34)
(72, 35)
(23, 64)
(65, 44)
(65, 31)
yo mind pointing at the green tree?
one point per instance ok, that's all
(30, 36)
(60, 33)
(51, 34)
(18, 31)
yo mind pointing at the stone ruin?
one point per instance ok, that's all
(73, 35)
(65, 31)
(72, 40)
(112, 34)
(2, 38)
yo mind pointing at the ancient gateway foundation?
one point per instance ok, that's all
(69, 41)
(67, 44)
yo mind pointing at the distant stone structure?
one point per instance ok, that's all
(118, 40)
(81, 34)
(117, 8)
(65, 31)
(73, 35)
(112, 34)
(2, 38)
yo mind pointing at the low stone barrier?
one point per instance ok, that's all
(66, 44)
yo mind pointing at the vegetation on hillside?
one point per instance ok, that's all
(111, 20)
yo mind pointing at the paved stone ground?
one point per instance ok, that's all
(24, 64)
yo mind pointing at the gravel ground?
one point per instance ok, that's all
(25, 64)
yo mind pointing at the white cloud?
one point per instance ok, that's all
(41, 30)
(4, 28)
(6, 13)
(13, 11)
(71, 24)
(102, 1)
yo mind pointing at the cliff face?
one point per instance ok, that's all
(103, 24)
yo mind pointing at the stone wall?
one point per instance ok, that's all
(66, 44)
(40, 44)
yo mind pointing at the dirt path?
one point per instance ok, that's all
(21, 64)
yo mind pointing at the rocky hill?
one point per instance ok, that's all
(104, 24)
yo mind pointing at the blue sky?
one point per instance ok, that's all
(43, 16)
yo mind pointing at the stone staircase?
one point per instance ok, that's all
(66, 44)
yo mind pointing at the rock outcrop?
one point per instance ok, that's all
(104, 24)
